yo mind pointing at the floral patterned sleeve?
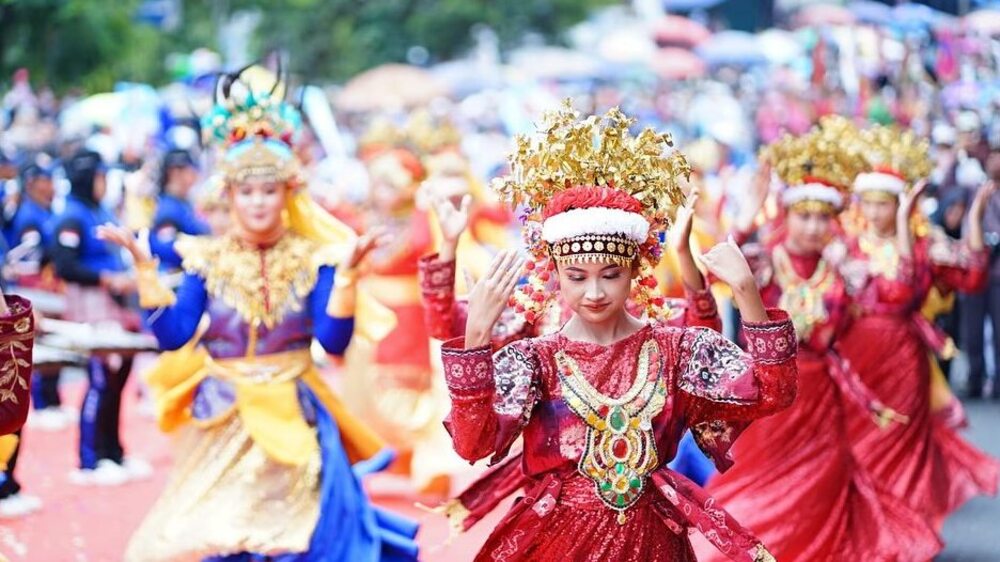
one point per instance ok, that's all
(17, 337)
(725, 388)
(701, 310)
(492, 396)
(956, 267)
(445, 317)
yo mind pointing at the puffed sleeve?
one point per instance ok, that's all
(445, 318)
(724, 388)
(492, 396)
(174, 324)
(17, 338)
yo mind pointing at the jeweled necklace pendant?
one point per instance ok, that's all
(620, 449)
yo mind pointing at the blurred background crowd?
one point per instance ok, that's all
(131, 80)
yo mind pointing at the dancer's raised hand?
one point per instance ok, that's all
(125, 238)
(490, 295)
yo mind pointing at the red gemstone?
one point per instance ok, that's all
(619, 447)
(603, 410)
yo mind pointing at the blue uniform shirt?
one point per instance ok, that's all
(173, 216)
(78, 255)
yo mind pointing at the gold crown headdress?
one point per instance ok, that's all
(817, 168)
(897, 159)
(381, 135)
(422, 134)
(429, 134)
(591, 191)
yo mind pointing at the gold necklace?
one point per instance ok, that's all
(262, 285)
(801, 298)
(883, 257)
(621, 446)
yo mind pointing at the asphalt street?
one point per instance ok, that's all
(973, 534)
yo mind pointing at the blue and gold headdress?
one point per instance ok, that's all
(255, 130)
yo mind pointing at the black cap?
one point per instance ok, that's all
(84, 165)
(40, 165)
(178, 158)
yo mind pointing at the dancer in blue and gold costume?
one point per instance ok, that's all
(263, 466)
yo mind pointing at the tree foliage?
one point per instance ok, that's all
(92, 44)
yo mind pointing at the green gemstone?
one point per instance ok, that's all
(616, 420)
(605, 486)
(620, 468)
(620, 500)
(635, 483)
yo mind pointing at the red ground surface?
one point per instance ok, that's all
(94, 524)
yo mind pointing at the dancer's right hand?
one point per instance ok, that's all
(123, 237)
(489, 297)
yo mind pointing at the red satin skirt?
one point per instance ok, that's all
(796, 485)
(923, 462)
(564, 521)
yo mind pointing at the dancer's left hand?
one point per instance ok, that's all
(909, 200)
(365, 244)
(885, 415)
(727, 262)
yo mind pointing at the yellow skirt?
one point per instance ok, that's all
(226, 496)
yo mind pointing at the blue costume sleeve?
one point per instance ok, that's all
(175, 325)
(332, 333)
(164, 250)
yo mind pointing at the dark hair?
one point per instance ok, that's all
(174, 158)
(81, 169)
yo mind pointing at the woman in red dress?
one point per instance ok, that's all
(447, 316)
(602, 403)
(890, 273)
(796, 483)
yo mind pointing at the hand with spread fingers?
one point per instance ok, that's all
(489, 297)
(683, 225)
(453, 221)
(125, 238)
(364, 245)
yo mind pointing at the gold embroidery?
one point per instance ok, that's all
(883, 257)
(262, 285)
(762, 555)
(12, 369)
(621, 446)
(802, 298)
